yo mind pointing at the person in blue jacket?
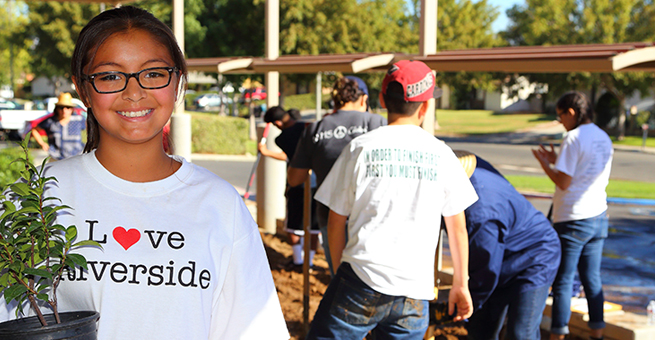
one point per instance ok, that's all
(514, 254)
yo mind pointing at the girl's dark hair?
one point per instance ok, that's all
(103, 26)
(345, 90)
(277, 113)
(579, 103)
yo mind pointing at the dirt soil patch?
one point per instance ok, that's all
(289, 286)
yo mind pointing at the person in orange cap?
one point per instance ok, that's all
(64, 130)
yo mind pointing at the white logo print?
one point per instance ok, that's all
(419, 88)
(340, 132)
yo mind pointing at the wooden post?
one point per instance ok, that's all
(307, 221)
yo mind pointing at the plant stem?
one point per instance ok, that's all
(35, 306)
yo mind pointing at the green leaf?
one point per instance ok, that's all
(87, 243)
(20, 188)
(71, 233)
(14, 291)
(77, 259)
(38, 272)
(43, 297)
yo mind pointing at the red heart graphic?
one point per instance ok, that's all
(126, 238)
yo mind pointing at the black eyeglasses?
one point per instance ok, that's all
(151, 79)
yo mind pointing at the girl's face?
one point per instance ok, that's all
(134, 115)
(567, 118)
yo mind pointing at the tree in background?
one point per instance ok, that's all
(53, 28)
(14, 55)
(560, 22)
(310, 27)
(464, 24)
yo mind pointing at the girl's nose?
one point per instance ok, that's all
(133, 91)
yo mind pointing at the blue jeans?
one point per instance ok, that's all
(350, 309)
(582, 248)
(523, 309)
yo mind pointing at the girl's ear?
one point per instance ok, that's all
(80, 91)
(571, 111)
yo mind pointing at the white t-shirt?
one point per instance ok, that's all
(586, 156)
(181, 259)
(395, 182)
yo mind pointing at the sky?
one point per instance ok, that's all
(503, 5)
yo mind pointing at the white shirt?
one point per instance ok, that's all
(586, 155)
(181, 258)
(395, 183)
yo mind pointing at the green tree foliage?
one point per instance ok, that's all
(14, 55)
(346, 26)
(560, 22)
(465, 24)
(53, 28)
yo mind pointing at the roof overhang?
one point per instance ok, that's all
(602, 58)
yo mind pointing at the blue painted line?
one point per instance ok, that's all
(630, 201)
(610, 200)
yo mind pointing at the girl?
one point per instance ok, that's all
(580, 173)
(181, 257)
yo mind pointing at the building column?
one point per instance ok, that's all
(271, 173)
(180, 121)
(427, 46)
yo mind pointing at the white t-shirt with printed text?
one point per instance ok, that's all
(395, 183)
(181, 258)
(585, 155)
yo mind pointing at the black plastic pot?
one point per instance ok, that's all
(74, 325)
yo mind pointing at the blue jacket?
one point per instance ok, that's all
(510, 242)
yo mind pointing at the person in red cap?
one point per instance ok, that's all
(393, 184)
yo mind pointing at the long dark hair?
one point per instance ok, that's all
(579, 103)
(345, 90)
(103, 26)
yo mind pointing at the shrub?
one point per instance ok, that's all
(215, 134)
(305, 101)
(10, 170)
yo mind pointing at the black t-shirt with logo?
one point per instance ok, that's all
(321, 142)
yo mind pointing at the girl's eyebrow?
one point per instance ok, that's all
(143, 65)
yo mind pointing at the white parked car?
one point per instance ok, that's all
(207, 100)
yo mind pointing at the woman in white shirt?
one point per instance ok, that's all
(580, 173)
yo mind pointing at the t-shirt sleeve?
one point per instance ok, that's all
(338, 189)
(377, 121)
(460, 193)
(247, 307)
(302, 157)
(568, 157)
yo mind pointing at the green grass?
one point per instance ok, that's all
(476, 122)
(634, 141)
(616, 188)
(305, 101)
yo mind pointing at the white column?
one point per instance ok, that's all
(319, 94)
(180, 121)
(427, 46)
(271, 174)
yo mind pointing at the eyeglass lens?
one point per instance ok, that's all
(151, 78)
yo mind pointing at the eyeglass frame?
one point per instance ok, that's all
(91, 78)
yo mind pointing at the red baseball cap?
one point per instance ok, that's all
(416, 78)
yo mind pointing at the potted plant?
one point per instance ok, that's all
(34, 252)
